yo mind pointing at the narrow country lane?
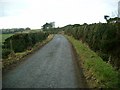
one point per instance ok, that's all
(53, 66)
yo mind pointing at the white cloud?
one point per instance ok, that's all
(34, 13)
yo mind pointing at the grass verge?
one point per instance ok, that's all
(98, 73)
(14, 58)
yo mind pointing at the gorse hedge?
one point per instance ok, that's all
(104, 38)
(22, 42)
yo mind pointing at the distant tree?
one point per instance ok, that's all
(52, 24)
(48, 25)
(114, 20)
(21, 29)
(27, 28)
(106, 18)
(76, 25)
(85, 24)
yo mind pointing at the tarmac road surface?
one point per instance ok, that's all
(53, 66)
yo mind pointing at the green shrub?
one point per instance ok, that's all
(21, 42)
(101, 37)
(105, 74)
(5, 53)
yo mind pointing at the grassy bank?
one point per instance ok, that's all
(98, 73)
(16, 57)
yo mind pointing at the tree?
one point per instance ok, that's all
(48, 25)
(106, 18)
(27, 28)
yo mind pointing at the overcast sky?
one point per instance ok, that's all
(34, 13)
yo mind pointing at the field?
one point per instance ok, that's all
(4, 36)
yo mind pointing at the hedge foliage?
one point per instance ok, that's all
(24, 41)
(104, 38)
(100, 74)
(5, 53)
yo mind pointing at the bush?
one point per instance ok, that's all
(5, 53)
(101, 37)
(21, 42)
(105, 75)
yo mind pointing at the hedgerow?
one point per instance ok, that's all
(22, 42)
(103, 38)
(100, 73)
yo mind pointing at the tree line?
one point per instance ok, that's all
(13, 30)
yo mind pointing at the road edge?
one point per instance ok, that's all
(76, 60)
(23, 57)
